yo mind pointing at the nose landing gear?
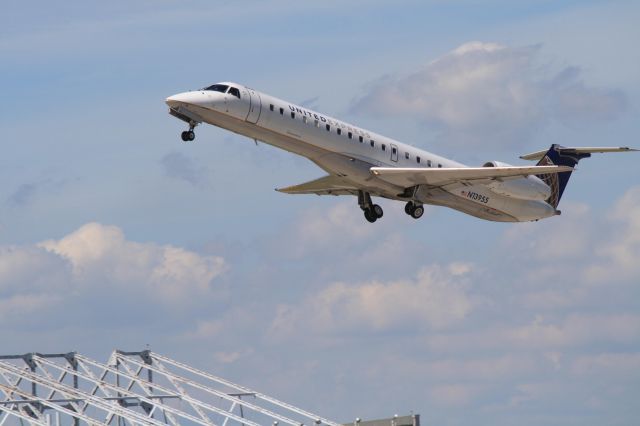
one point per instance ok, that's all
(189, 135)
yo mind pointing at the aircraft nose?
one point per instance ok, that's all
(194, 98)
(176, 100)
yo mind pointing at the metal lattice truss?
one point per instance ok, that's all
(132, 388)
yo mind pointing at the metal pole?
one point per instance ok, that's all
(74, 365)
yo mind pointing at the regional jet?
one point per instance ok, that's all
(365, 164)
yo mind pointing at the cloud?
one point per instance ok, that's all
(563, 238)
(179, 166)
(340, 233)
(96, 263)
(489, 94)
(100, 253)
(572, 331)
(25, 193)
(435, 299)
(620, 254)
(625, 365)
(453, 394)
(340, 224)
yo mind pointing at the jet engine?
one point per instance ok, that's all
(524, 188)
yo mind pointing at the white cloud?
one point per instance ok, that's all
(318, 229)
(27, 269)
(100, 253)
(233, 356)
(435, 299)
(485, 93)
(621, 364)
(572, 331)
(206, 329)
(17, 305)
(564, 237)
(494, 368)
(620, 254)
(97, 263)
(453, 394)
(577, 330)
(346, 242)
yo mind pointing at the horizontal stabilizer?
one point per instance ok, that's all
(328, 185)
(578, 150)
(407, 177)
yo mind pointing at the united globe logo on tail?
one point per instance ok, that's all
(551, 179)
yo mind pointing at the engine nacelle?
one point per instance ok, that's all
(524, 188)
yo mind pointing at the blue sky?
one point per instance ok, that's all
(110, 226)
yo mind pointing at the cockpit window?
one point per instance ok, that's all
(218, 88)
(235, 92)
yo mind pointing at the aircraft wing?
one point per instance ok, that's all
(327, 185)
(407, 177)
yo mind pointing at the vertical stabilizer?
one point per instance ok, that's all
(559, 156)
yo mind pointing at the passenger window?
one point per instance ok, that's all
(339, 131)
(350, 135)
(293, 115)
(439, 165)
(281, 111)
(393, 149)
(235, 92)
(384, 147)
(406, 155)
(361, 139)
(417, 159)
(271, 107)
(328, 126)
(428, 163)
(372, 143)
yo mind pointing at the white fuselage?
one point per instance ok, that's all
(345, 150)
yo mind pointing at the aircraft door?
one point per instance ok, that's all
(255, 106)
(236, 102)
(394, 153)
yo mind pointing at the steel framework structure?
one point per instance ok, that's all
(132, 388)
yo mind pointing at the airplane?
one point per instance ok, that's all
(365, 164)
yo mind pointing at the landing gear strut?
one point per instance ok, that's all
(414, 210)
(372, 212)
(189, 135)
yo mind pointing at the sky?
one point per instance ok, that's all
(115, 234)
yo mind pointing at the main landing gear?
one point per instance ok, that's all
(414, 210)
(372, 212)
(189, 135)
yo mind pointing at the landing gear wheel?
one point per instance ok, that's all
(417, 212)
(408, 208)
(370, 215)
(188, 135)
(377, 210)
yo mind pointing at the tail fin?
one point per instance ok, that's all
(561, 156)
